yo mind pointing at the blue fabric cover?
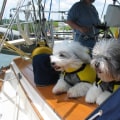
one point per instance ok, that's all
(110, 108)
(44, 74)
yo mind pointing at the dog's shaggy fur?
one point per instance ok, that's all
(71, 57)
(106, 62)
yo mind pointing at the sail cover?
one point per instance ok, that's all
(109, 110)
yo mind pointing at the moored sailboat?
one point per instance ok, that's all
(21, 99)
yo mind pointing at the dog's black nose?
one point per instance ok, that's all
(52, 63)
(97, 64)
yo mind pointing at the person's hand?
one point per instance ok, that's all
(83, 29)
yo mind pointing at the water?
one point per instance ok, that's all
(5, 59)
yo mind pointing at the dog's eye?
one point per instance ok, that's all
(62, 55)
(106, 58)
(101, 56)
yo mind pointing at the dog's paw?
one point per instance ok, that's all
(59, 90)
(102, 97)
(92, 94)
(60, 87)
(90, 98)
(72, 93)
(78, 90)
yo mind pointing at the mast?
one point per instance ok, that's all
(2, 9)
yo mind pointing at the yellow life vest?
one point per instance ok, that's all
(109, 86)
(84, 74)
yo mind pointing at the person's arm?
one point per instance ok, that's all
(77, 27)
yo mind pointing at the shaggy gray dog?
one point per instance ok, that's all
(106, 62)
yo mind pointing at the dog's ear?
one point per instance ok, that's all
(82, 53)
(86, 58)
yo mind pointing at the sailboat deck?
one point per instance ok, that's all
(67, 109)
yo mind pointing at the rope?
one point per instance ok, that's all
(42, 23)
(15, 49)
(26, 38)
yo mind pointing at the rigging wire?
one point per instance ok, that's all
(42, 22)
(49, 27)
(34, 18)
(2, 9)
(27, 14)
(103, 9)
(44, 3)
(10, 25)
(50, 10)
(3, 40)
(118, 2)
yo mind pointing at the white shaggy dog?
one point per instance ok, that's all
(72, 59)
(106, 62)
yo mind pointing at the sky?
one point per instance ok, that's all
(59, 5)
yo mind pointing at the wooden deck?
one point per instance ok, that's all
(1, 78)
(2, 74)
(66, 109)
